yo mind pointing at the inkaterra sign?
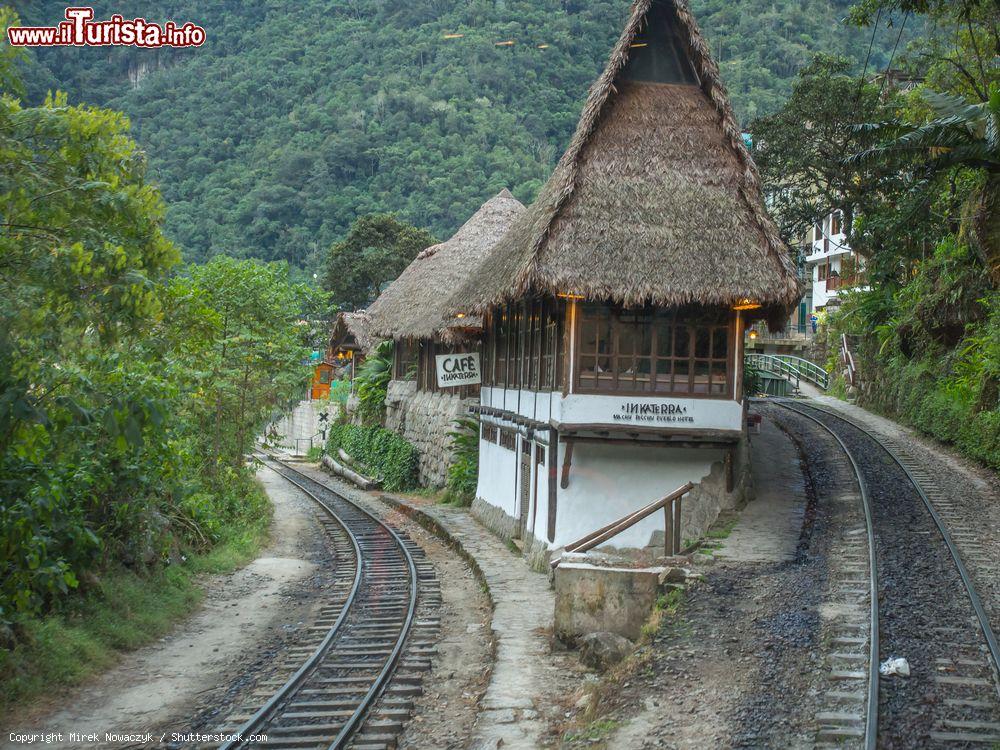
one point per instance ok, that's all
(642, 412)
(454, 370)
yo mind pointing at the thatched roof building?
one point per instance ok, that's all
(351, 333)
(419, 303)
(657, 200)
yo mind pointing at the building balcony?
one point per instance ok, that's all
(828, 247)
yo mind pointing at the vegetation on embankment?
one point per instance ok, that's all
(935, 363)
(119, 611)
(131, 388)
(919, 186)
(380, 454)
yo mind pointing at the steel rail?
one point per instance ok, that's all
(871, 717)
(260, 719)
(977, 604)
(380, 682)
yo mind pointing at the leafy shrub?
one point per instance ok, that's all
(929, 352)
(340, 391)
(372, 383)
(382, 451)
(463, 474)
(752, 384)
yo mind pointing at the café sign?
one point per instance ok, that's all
(454, 370)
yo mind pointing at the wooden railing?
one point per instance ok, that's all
(671, 506)
(793, 367)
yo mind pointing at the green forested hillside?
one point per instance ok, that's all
(300, 115)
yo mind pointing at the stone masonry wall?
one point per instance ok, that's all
(425, 419)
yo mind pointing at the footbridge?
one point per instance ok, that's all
(795, 369)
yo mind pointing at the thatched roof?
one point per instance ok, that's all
(422, 302)
(351, 331)
(657, 199)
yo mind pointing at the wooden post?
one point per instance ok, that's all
(677, 525)
(567, 462)
(668, 531)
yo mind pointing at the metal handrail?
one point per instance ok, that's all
(796, 367)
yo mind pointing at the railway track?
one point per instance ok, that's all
(926, 610)
(353, 683)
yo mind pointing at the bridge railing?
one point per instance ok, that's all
(793, 367)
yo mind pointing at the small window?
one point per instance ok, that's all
(508, 440)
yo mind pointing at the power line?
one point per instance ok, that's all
(892, 57)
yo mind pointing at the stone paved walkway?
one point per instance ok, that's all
(522, 622)
(769, 526)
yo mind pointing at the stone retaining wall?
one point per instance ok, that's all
(303, 428)
(425, 419)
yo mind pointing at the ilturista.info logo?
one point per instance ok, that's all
(81, 30)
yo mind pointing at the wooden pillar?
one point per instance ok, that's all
(553, 478)
(668, 530)
(567, 463)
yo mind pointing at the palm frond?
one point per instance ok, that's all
(947, 106)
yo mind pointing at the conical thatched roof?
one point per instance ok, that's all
(657, 199)
(421, 302)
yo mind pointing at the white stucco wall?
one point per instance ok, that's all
(607, 482)
(497, 467)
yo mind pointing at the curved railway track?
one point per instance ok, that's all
(353, 688)
(926, 609)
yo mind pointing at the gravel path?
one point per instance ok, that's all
(741, 662)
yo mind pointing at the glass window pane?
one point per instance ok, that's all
(664, 338)
(703, 343)
(701, 370)
(720, 343)
(682, 342)
(643, 374)
(682, 369)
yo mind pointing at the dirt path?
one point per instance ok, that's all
(160, 687)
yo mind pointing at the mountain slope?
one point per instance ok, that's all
(298, 116)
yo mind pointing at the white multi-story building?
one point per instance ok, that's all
(830, 262)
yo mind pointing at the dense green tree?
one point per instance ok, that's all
(298, 117)
(128, 398)
(958, 136)
(800, 150)
(375, 252)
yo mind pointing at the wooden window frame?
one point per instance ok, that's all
(680, 318)
(507, 439)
